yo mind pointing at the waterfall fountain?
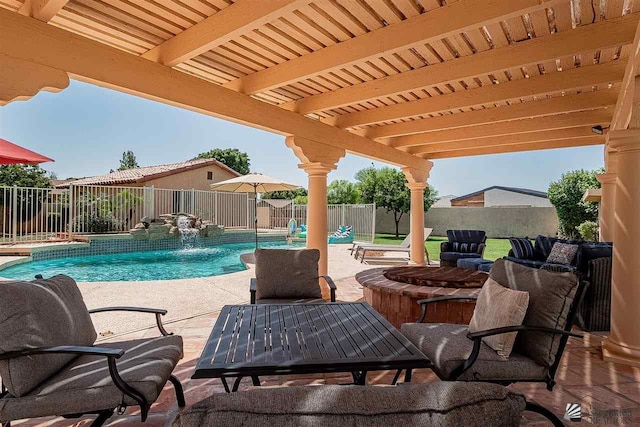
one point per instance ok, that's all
(189, 235)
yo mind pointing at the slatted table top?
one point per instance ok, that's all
(304, 338)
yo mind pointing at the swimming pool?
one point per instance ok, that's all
(138, 266)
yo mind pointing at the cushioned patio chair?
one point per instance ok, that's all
(361, 248)
(458, 354)
(462, 244)
(50, 365)
(445, 404)
(288, 276)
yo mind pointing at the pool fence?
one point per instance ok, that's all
(31, 215)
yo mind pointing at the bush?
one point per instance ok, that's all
(588, 231)
(93, 223)
(566, 195)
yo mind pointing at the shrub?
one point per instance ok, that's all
(588, 231)
(566, 195)
(93, 223)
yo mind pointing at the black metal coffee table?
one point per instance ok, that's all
(284, 339)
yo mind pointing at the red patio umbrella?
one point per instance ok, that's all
(11, 154)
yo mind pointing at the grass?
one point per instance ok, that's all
(496, 248)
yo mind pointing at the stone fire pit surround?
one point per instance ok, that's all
(398, 302)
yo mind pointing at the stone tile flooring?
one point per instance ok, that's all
(609, 393)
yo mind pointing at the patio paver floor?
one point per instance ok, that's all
(582, 378)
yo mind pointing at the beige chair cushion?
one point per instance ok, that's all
(498, 307)
(287, 273)
(550, 297)
(42, 313)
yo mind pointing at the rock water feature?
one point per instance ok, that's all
(189, 235)
(189, 228)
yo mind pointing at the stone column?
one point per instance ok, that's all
(417, 182)
(317, 160)
(623, 343)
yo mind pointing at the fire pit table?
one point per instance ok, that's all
(397, 300)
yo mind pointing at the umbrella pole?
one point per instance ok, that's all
(255, 209)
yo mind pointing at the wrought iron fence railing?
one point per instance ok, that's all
(51, 214)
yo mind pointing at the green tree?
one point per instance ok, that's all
(342, 192)
(566, 195)
(285, 195)
(387, 188)
(232, 157)
(128, 161)
(29, 203)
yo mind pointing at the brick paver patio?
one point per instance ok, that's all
(609, 393)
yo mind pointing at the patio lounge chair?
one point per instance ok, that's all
(458, 354)
(445, 404)
(361, 248)
(50, 366)
(288, 276)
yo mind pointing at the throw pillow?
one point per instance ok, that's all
(287, 273)
(562, 253)
(498, 307)
(550, 297)
(42, 313)
(522, 248)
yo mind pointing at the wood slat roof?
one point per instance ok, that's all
(409, 74)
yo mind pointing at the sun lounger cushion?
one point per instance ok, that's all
(85, 385)
(550, 297)
(286, 273)
(444, 404)
(447, 346)
(42, 313)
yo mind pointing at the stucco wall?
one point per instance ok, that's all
(195, 178)
(496, 221)
(498, 197)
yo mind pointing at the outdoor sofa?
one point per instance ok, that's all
(444, 404)
(592, 263)
(50, 364)
(462, 244)
(288, 276)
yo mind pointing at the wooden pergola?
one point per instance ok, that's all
(401, 81)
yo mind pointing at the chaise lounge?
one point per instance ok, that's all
(50, 364)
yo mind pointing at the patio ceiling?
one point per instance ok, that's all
(401, 81)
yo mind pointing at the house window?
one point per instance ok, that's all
(210, 176)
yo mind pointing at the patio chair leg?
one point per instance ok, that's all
(364, 252)
(396, 377)
(539, 409)
(179, 391)
(407, 376)
(102, 418)
(224, 383)
(256, 380)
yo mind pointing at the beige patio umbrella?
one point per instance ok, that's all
(253, 183)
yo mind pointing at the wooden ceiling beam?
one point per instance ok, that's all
(436, 24)
(522, 110)
(543, 145)
(605, 34)
(576, 78)
(622, 113)
(582, 118)
(94, 62)
(506, 140)
(231, 22)
(42, 10)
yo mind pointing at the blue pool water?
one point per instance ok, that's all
(137, 266)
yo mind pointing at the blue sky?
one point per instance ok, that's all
(86, 128)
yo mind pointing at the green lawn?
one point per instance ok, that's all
(496, 248)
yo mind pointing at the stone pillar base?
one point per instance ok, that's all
(616, 353)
